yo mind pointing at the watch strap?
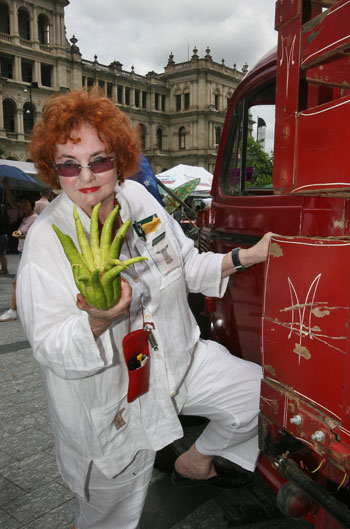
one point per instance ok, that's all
(235, 259)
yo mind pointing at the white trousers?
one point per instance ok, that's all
(116, 503)
(226, 390)
(221, 387)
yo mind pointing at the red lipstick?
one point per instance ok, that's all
(89, 189)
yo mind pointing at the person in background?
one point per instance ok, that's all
(107, 423)
(26, 210)
(41, 204)
(4, 228)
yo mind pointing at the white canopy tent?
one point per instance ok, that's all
(181, 174)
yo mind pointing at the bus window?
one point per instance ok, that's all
(248, 156)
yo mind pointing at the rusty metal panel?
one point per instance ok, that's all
(305, 324)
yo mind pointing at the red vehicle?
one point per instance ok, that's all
(292, 314)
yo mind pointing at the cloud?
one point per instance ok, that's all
(143, 35)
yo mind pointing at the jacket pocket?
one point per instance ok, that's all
(111, 425)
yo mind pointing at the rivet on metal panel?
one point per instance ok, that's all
(297, 420)
(318, 436)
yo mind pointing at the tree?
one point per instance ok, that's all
(262, 163)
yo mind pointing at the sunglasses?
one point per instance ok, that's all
(100, 165)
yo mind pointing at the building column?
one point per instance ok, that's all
(14, 21)
(37, 72)
(61, 31)
(19, 123)
(17, 69)
(35, 37)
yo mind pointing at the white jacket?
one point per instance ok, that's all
(86, 380)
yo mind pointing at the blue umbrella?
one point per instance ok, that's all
(18, 178)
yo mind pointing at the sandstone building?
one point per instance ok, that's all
(180, 112)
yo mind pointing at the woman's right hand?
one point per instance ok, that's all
(100, 320)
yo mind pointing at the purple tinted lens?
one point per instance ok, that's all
(100, 166)
(72, 169)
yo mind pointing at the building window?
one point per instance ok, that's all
(9, 111)
(182, 138)
(156, 101)
(110, 90)
(178, 102)
(216, 101)
(142, 136)
(43, 30)
(144, 99)
(120, 95)
(228, 99)
(46, 74)
(90, 82)
(159, 139)
(6, 67)
(23, 23)
(217, 136)
(27, 71)
(83, 81)
(28, 117)
(127, 95)
(163, 102)
(4, 19)
(187, 100)
(101, 84)
(137, 98)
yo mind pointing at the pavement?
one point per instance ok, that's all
(32, 493)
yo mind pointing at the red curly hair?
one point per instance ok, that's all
(64, 113)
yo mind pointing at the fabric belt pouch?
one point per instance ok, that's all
(137, 358)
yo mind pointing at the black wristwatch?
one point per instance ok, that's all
(235, 260)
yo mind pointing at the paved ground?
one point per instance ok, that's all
(32, 494)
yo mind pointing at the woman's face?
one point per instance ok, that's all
(88, 188)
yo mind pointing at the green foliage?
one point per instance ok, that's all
(262, 163)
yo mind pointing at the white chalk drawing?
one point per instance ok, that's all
(288, 56)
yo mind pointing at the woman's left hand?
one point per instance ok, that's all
(247, 256)
(257, 253)
(100, 320)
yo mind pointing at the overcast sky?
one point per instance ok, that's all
(143, 34)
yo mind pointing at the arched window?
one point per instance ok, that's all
(142, 136)
(23, 23)
(182, 138)
(9, 111)
(43, 29)
(28, 117)
(159, 139)
(4, 18)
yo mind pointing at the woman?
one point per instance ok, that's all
(26, 213)
(106, 445)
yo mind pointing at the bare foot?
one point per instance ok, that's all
(194, 465)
